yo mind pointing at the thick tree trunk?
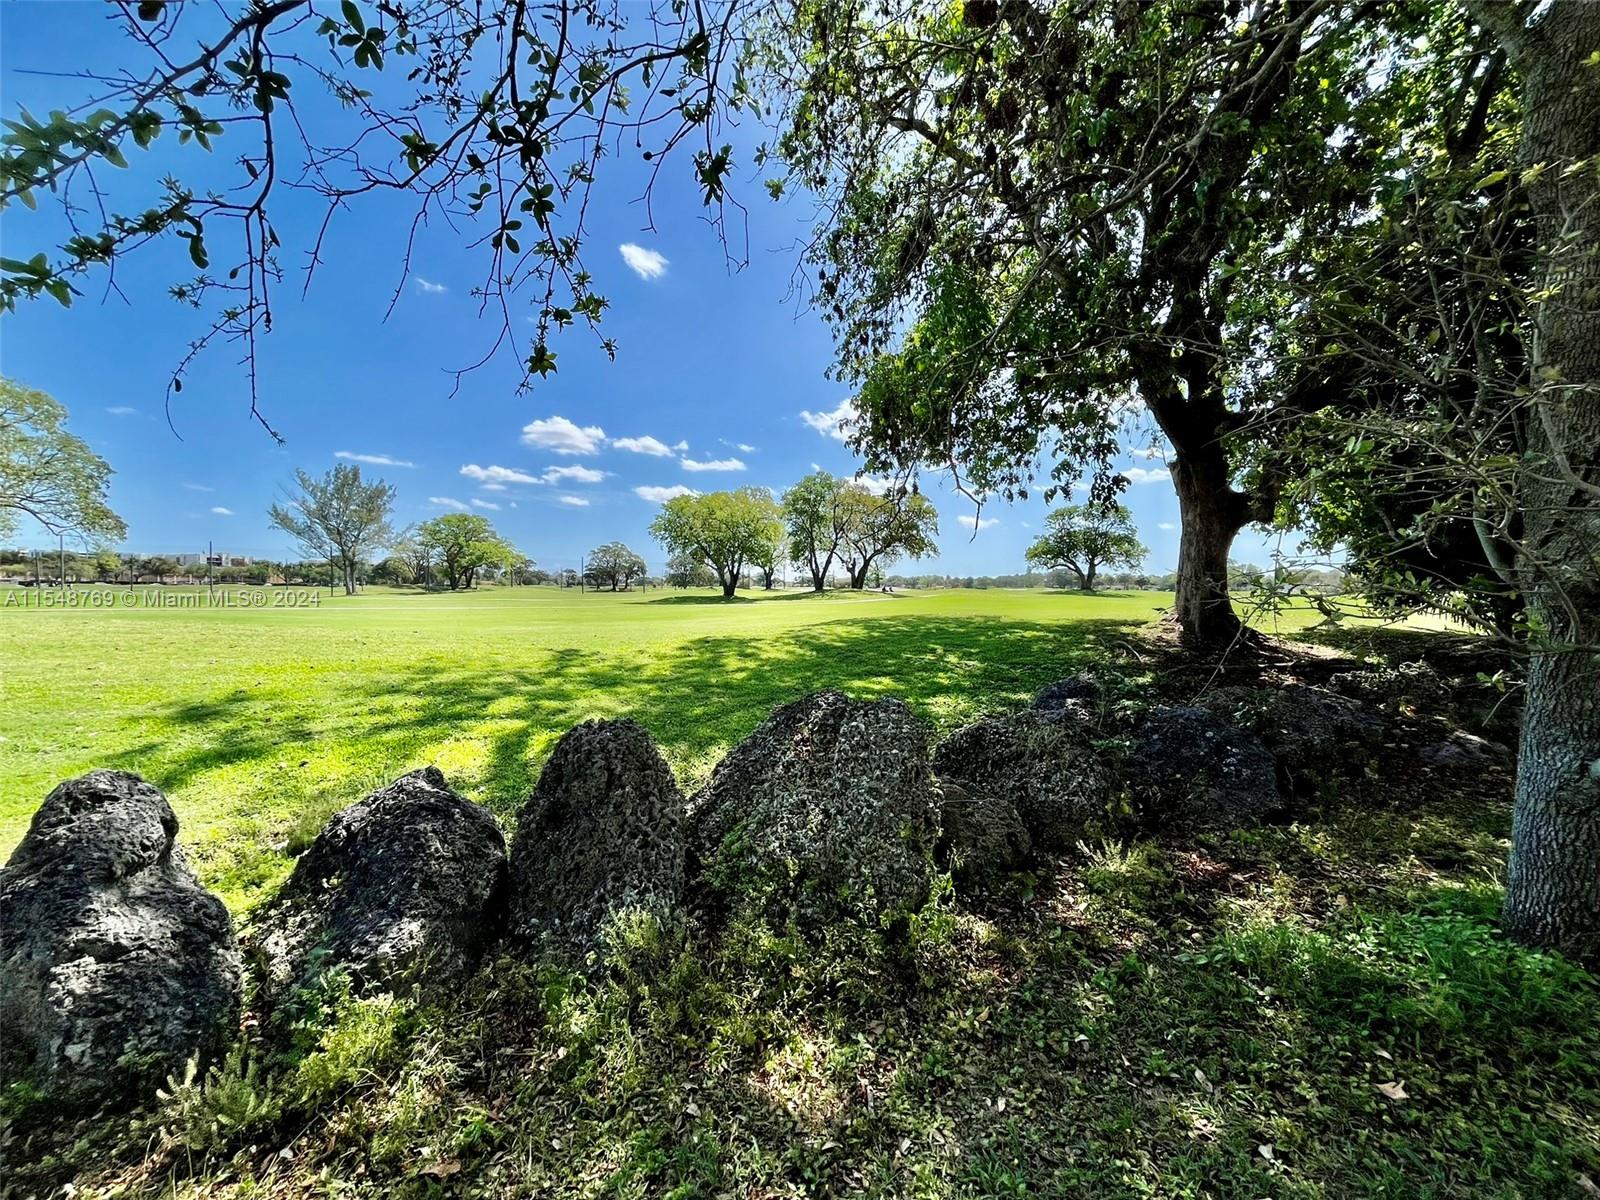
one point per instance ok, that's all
(1553, 881)
(1086, 581)
(1212, 514)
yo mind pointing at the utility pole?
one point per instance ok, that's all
(61, 550)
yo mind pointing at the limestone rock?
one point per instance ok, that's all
(1192, 769)
(827, 809)
(116, 966)
(1044, 764)
(405, 888)
(603, 833)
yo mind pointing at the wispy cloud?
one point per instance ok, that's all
(645, 263)
(199, 487)
(429, 288)
(122, 410)
(447, 502)
(493, 487)
(1169, 526)
(681, 447)
(220, 511)
(575, 501)
(644, 445)
(974, 522)
(1147, 475)
(561, 436)
(572, 474)
(831, 424)
(376, 460)
(714, 464)
(660, 495)
(489, 504)
(1149, 453)
(496, 475)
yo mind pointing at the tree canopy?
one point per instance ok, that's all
(461, 544)
(1082, 538)
(724, 530)
(613, 564)
(49, 474)
(339, 517)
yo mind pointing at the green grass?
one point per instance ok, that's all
(1222, 1016)
(261, 722)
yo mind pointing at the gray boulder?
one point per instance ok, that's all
(827, 809)
(981, 835)
(116, 966)
(1316, 736)
(602, 834)
(1192, 769)
(403, 889)
(1076, 693)
(1044, 764)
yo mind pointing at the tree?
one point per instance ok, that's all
(1085, 537)
(725, 530)
(877, 530)
(686, 571)
(615, 564)
(505, 112)
(339, 517)
(1034, 212)
(1553, 881)
(814, 520)
(460, 543)
(767, 555)
(47, 473)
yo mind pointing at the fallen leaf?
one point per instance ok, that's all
(1000, 1104)
(442, 1169)
(1395, 1091)
(1588, 1186)
(1266, 1151)
(1384, 1054)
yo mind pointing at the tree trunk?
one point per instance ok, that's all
(349, 578)
(1212, 514)
(1553, 881)
(1086, 580)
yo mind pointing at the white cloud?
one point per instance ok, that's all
(1169, 526)
(220, 511)
(489, 504)
(496, 475)
(878, 485)
(746, 447)
(199, 487)
(447, 502)
(1147, 475)
(974, 522)
(493, 487)
(681, 447)
(643, 445)
(123, 410)
(575, 501)
(1149, 453)
(831, 424)
(660, 495)
(429, 288)
(561, 436)
(714, 464)
(574, 473)
(646, 264)
(376, 460)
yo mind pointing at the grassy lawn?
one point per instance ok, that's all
(260, 722)
(1318, 1010)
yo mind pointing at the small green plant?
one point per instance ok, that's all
(234, 1099)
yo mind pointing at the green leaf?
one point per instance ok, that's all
(352, 14)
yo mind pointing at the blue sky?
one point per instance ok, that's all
(718, 382)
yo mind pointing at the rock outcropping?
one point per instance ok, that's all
(405, 888)
(1044, 764)
(827, 809)
(116, 966)
(603, 833)
(1191, 769)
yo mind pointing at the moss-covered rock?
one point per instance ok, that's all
(116, 966)
(1192, 769)
(403, 889)
(1316, 736)
(981, 835)
(601, 839)
(1044, 764)
(828, 809)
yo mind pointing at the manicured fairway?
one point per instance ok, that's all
(260, 722)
